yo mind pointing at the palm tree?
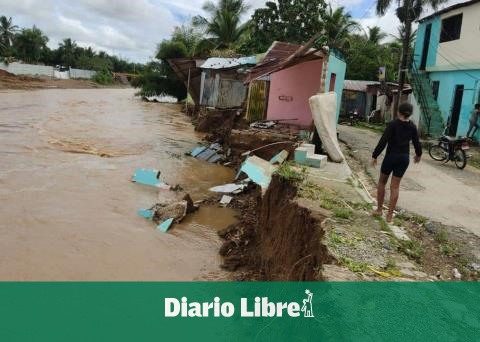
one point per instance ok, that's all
(67, 49)
(338, 25)
(224, 22)
(375, 35)
(7, 31)
(407, 12)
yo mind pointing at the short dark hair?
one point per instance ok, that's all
(477, 106)
(405, 109)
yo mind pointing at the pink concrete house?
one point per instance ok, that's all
(281, 85)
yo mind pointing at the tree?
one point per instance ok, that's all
(407, 12)
(7, 31)
(375, 35)
(67, 51)
(292, 21)
(338, 26)
(223, 24)
(31, 45)
(7, 34)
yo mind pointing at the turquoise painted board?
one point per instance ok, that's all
(165, 226)
(279, 158)
(146, 213)
(259, 171)
(147, 177)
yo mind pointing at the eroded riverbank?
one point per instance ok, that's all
(67, 207)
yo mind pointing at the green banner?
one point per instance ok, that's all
(239, 311)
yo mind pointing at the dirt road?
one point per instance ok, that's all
(439, 192)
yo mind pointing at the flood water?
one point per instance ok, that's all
(67, 206)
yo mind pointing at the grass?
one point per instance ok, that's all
(383, 225)
(342, 213)
(412, 249)
(288, 172)
(354, 266)
(378, 128)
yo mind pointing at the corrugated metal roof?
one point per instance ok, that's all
(354, 85)
(283, 55)
(228, 63)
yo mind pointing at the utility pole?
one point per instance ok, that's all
(404, 62)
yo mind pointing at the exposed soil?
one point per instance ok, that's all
(11, 81)
(276, 239)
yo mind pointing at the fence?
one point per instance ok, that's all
(43, 70)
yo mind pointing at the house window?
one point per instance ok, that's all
(435, 88)
(333, 79)
(451, 28)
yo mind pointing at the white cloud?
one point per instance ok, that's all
(132, 29)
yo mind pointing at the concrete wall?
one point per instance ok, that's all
(338, 67)
(290, 90)
(28, 69)
(463, 53)
(44, 70)
(470, 79)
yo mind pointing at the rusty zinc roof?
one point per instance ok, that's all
(284, 55)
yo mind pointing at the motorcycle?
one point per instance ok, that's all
(451, 149)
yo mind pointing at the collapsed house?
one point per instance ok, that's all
(280, 86)
(222, 82)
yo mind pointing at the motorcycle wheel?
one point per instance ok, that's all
(460, 159)
(438, 153)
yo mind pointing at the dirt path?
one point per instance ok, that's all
(439, 192)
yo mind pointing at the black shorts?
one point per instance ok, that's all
(396, 163)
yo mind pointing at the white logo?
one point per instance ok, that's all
(307, 307)
(249, 308)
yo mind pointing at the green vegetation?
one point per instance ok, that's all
(103, 77)
(354, 266)
(342, 213)
(288, 172)
(413, 249)
(30, 45)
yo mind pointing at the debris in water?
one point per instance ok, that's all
(211, 154)
(229, 188)
(166, 225)
(150, 178)
(226, 200)
(146, 213)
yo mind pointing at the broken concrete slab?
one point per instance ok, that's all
(280, 158)
(305, 155)
(324, 111)
(149, 177)
(399, 233)
(317, 161)
(259, 171)
(226, 200)
(228, 188)
(146, 213)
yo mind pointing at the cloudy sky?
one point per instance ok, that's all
(132, 28)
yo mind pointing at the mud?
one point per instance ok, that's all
(277, 239)
(68, 208)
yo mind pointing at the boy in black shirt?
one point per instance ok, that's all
(396, 138)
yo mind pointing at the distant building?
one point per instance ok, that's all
(281, 85)
(446, 68)
(366, 97)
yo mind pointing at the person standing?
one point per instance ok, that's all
(396, 138)
(474, 125)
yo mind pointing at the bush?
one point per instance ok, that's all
(103, 77)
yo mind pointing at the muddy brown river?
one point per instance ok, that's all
(67, 206)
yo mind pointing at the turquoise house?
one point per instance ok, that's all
(446, 69)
